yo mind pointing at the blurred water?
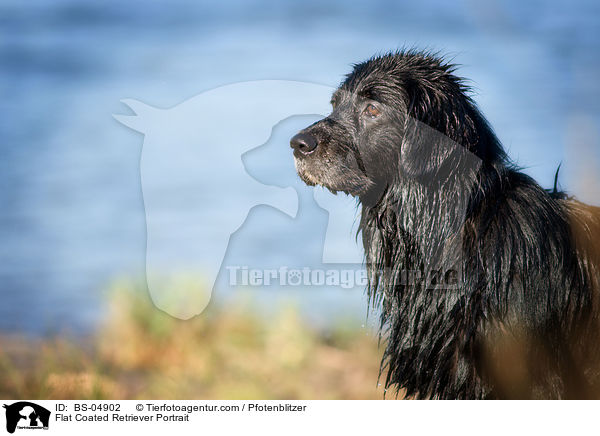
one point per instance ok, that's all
(71, 209)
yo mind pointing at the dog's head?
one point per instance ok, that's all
(354, 149)
(395, 116)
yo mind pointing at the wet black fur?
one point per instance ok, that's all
(497, 245)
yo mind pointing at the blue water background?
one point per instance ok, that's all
(71, 207)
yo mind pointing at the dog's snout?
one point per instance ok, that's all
(304, 143)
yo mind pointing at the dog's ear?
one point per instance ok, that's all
(454, 116)
(429, 156)
(423, 148)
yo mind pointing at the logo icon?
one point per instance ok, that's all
(182, 146)
(26, 415)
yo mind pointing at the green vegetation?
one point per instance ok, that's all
(229, 352)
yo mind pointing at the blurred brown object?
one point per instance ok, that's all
(232, 351)
(516, 361)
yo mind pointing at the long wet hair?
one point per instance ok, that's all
(487, 282)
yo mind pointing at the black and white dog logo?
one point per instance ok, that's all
(26, 415)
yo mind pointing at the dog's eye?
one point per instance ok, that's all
(372, 111)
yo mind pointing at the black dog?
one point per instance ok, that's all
(488, 283)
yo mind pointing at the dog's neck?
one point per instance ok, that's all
(413, 241)
(417, 225)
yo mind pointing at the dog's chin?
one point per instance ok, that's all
(305, 175)
(332, 180)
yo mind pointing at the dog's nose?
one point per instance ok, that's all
(303, 142)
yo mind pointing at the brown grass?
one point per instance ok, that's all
(228, 352)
